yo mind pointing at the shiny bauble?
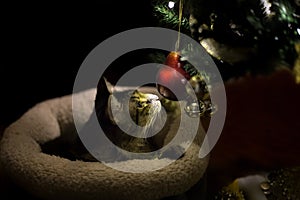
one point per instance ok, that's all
(171, 79)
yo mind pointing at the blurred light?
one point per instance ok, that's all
(171, 4)
(276, 38)
(284, 9)
(267, 6)
(298, 30)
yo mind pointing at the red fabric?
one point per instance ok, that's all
(262, 128)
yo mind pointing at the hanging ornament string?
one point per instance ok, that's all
(179, 25)
(176, 75)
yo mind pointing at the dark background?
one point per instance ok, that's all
(45, 42)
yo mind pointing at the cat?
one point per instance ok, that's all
(157, 119)
(147, 109)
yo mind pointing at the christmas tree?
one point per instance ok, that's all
(242, 36)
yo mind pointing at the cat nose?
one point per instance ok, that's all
(165, 92)
(177, 93)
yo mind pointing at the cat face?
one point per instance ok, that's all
(143, 108)
(123, 110)
(136, 112)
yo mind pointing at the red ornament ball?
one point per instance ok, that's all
(172, 78)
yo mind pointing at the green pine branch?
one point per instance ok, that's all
(169, 17)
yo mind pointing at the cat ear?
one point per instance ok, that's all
(104, 90)
(109, 86)
(105, 86)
